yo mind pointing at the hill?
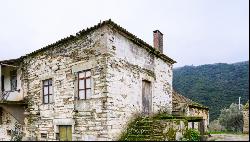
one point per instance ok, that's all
(213, 85)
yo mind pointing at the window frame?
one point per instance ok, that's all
(50, 83)
(13, 80)
(85, 84)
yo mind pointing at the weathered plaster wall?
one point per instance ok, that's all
(87, 117)
(128, 65)
(8, 124)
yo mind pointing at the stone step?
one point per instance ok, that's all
(143, 127)
(139, 131)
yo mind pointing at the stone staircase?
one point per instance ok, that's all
(144, 129)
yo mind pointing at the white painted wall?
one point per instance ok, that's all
(128, 65)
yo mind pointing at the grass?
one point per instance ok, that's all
(225, 132)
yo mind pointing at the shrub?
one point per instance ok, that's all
(215, 126)
(232, 118)
(191, 135)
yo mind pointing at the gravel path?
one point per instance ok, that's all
(229, 137)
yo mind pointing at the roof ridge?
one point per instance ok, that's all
(109, 22)
(81, 32)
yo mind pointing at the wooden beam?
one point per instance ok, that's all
(8, 65)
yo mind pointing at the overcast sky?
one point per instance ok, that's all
(195, 31)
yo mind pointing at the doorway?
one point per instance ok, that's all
(65, 133)
(146, 97)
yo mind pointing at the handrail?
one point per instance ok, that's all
(5, 95)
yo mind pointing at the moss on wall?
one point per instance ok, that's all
(171, 134)
(160, 127)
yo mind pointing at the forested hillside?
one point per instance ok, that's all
(214, 85)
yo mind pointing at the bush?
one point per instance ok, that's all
(191, 135)
(232, 118)
(215, 126)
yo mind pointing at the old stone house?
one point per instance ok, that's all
(85, 87)
(183, 106)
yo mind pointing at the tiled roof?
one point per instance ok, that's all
(11, 61)
(112, 25)
(178, 98)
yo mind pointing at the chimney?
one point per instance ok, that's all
(158, 40)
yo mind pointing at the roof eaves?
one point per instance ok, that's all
(11, 61)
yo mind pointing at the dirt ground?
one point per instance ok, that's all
(229, 137)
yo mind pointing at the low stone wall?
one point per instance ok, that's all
(246, 121)
(201, 112)
(173, 129)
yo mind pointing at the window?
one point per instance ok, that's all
(84, 84)
(47, 91)
(43, 135)
(8, 132)
(57, 136)
(13, 80)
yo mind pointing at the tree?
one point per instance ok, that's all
(232, 118)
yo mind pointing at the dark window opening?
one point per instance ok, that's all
(57, 136)
(43, 135)
(9, 132)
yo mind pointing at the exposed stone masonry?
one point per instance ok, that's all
(118, 66)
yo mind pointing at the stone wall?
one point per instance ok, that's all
(246, 121)
(155, 129)
(118, 67)
(128, 65)
(8, 124)
(194, 111)
(87, 117)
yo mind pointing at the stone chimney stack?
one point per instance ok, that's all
(158, 40)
